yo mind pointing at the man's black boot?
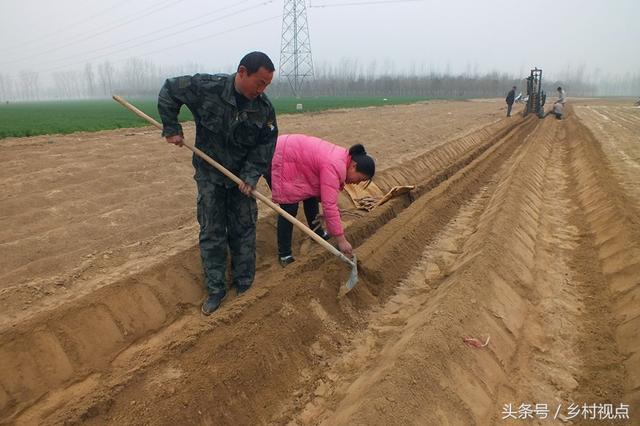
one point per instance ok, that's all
(213, 302)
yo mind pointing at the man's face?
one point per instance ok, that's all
(252, 86)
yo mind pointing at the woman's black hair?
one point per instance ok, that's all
(364, 162)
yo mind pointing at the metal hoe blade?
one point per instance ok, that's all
(353, 277)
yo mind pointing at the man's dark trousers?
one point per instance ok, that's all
(227, 218)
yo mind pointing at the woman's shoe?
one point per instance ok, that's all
(285, 260)
(324, 235)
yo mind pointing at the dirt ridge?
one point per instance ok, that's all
(156, 297)
(615, 226)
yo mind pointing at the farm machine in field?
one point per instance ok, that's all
(535, 95)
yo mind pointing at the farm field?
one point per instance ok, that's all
(521, 233)
(40, 118)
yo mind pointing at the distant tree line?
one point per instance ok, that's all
(140, 78)
(136, 77)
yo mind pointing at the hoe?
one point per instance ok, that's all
(353, 277)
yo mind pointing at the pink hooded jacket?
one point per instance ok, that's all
(306, 166)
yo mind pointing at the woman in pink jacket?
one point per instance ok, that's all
(306, 168)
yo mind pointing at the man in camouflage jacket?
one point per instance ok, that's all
(236, 126)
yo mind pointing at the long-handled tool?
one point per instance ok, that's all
(353, 277)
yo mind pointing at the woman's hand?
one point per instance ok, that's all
(344, 246)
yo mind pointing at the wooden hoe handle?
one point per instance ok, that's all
(237, 180)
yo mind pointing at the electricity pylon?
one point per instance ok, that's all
(295, 48)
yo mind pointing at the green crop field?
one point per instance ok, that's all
(38, 118)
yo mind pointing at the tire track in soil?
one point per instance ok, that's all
(619, 142)
(613, 222)
(567, 353)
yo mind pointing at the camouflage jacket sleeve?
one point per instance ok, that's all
(259, 158)
(176, 92)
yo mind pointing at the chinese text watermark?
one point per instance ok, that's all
(529, 411)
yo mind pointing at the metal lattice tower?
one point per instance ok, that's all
(295, 49)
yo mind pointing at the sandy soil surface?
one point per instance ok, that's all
(521, 232)
(618, 127)
(79, 211)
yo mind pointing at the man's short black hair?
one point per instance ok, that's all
(254, 61)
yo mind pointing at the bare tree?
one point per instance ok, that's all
(138, 77)
(68, 84)
(6, 87)
(29, 85)
(345, 77)
(89, 81)
(106, 75)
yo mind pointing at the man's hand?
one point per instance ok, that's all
(177, 140)
(245, 188)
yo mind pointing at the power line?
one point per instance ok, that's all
(165, 48)
(264, 3)
(363, 3)
(94, 35)
(68, 27)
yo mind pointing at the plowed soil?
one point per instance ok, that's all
(522, 233)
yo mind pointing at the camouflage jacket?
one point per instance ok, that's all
(242, 141)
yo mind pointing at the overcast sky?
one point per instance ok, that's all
(464, 35)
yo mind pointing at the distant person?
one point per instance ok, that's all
(558, 106)
(557, 110)
(561, 96)
(309, 169)
(236, 126)
(511, 97)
